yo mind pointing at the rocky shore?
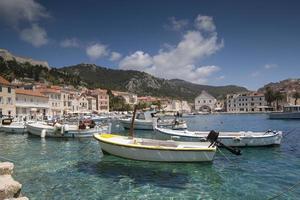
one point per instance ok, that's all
(9, 188)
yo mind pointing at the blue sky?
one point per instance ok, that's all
(247, 43)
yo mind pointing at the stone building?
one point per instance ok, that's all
(205, 102)
(7, 98)
(246, 102)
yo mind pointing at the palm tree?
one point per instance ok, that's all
(296, 96)
(278, 96)
(269, 96)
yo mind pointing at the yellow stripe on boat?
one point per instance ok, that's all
(104, 137)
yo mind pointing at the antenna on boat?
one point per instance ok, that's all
(131, 130)
(213, 139)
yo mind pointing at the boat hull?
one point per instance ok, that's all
(156, 155)
(138, 125)
(241, 139)
(13, 129)
(50, 131)
(295, 115)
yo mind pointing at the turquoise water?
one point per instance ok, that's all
(73, 169)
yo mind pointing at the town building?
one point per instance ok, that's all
(246, 102)
(32, 104)
(129, 98)
(178, 106)
(102, 100)
(205, 102)
(55, 100)
(7, 98)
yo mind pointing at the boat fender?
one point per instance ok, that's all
(62, 130)
(43, 133)
(67, 128)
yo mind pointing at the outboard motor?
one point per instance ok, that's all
(213, 139)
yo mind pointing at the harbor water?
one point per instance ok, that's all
(75, 169)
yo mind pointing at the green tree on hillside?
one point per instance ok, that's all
(269, 96)
(278, 96)
(296, 96)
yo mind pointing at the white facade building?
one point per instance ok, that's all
(31, 104)
(178, 106)
(7, 98)
(246, 102)
(205, 102)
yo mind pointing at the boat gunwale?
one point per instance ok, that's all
(278, 133)
(97, 137)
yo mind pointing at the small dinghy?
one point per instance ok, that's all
(238, 139)
(43, 129)
(10, 126)
(159, 150)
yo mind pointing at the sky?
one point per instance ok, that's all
(245, 43)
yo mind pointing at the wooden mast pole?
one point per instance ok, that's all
(131, 130)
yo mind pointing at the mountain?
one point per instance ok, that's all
(286, 85)
(92, 76)
(7, 56)
(12, 69)
(143, 84)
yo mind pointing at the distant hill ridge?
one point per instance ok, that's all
(6, 55)
(284, 85)
(93, 76)
(145, 84)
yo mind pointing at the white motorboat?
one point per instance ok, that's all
(237, 139)
(14, 127)
(147, 121)
(289, 112)
(8, 125)
(43, 129)
(155, 150)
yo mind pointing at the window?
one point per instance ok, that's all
(0, 111)
(0, 90)
(9, 100)
(9, 90)
(1, 100)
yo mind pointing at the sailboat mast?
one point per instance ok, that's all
(132, 122)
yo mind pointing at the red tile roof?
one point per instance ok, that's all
(3, 81)
(30, 93)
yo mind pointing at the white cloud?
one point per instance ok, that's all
(179, 61)
(177, 25)
(35, 35)
(115, 56)
(270, 66)
(96, 51)
(136, 61)
(220, 77)
(70, 42)
(14, 12)
(25, 13)
(205, 23)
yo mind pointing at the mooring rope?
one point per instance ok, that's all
(285, 191)
(289, 132)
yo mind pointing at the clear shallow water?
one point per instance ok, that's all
(73, 169)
